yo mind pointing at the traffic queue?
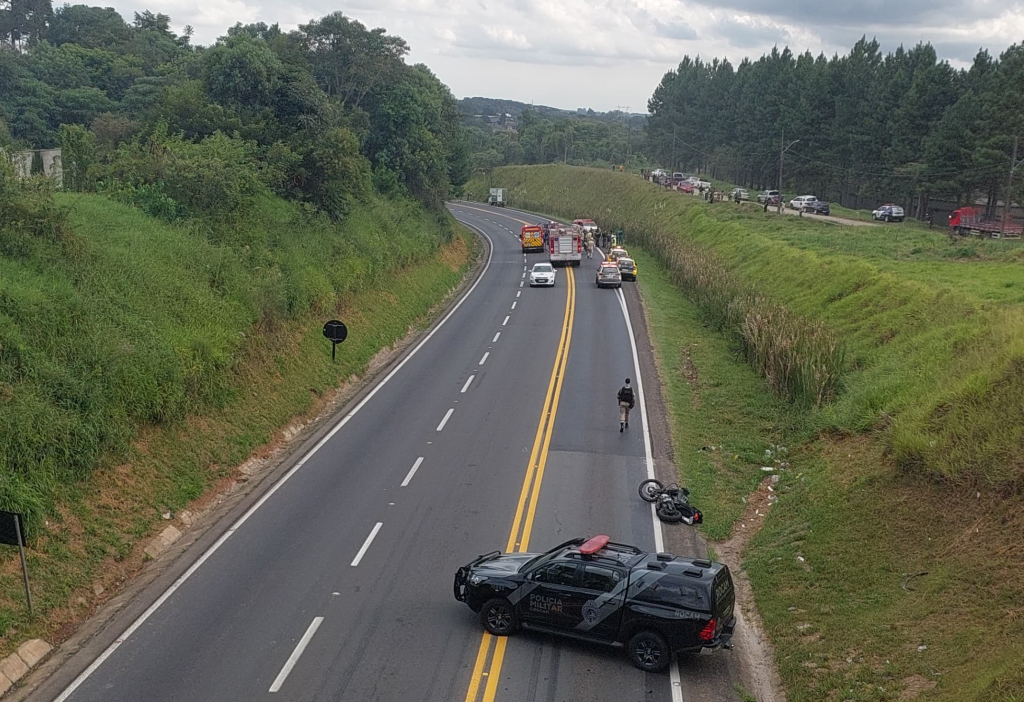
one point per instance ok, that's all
(565, 245)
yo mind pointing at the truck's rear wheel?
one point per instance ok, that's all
(649, 651)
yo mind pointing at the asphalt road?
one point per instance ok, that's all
(500, 430)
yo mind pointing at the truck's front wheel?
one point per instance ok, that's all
(499, 617)
(649, 651)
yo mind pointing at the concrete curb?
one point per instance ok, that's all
(18, 664)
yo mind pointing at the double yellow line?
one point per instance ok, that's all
(487, 669)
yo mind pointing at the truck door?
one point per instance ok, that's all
(551, 603)
(602, 593)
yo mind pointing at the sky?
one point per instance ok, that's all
(611, 54)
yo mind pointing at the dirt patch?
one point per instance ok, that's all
(751, 642)
(915, 685)
(689, 371)
(454, 254)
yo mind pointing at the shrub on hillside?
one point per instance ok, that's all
(29, 218)
(216, 177)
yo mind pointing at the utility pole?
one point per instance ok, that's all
(782, 153)
(673, 147)
(1009, 188)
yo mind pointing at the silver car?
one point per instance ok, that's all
(608, 275)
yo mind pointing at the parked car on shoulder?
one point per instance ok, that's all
(888, 213)
(768, 195)
(686, 187)
(819, 208)
(804, 202)
(627, 268)
(740, 193)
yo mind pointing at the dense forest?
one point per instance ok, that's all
(861, 128)
(322, 114)
(548, 135)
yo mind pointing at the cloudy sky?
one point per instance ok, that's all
(608, 53)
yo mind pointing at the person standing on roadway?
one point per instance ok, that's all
(626, 402)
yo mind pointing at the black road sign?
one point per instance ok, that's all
(12, 533)
(11, 526)
(336, 332)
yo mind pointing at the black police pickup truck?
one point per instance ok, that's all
(655, 604)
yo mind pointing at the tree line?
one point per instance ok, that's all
(323, 114)
(581, 139)
(863, 127)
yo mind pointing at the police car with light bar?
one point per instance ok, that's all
(656, 605)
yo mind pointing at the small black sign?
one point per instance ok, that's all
(8, 530)
(335, 331)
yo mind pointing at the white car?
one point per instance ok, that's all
(542, 274)
(803, 202)
(889, 213)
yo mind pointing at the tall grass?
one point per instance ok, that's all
(142, 321)
(883, 331)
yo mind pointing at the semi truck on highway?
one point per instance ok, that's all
(498, 197)
(532, 238)
(565, 246)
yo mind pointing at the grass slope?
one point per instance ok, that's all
(157, 358)
(834, 555)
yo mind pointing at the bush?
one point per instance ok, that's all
(172, 177)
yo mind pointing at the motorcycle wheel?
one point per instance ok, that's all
(649, 490)
(667, 512)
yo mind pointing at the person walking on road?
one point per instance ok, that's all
(627, 401)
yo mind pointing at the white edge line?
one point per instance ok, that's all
(366, 544)
(447, 416)
(412, 471)
(483, 359)
(675, 679)
(84, 675)
(294, 658)
(466, 386)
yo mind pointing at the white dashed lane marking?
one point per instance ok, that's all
(444, 421)
(416, 465)
(366, 544)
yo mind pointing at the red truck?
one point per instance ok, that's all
(969, 221)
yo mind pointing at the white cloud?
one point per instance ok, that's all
(604, 53)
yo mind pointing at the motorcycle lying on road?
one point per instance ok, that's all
(672, 503)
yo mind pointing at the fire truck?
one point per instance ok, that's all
(565, 245)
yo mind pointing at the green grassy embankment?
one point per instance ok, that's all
(140, 363)
(890, 567)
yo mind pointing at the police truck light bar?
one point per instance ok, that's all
(594, 544)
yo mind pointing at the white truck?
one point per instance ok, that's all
(565, 245)
(498, 197)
